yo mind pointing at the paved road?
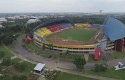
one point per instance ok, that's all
(53, 64)
(50, 63)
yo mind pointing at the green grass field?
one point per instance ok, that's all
(67, 76)
(111, 73)
(5, 52)
(78, 34)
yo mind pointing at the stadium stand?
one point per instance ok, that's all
(82, 25)
(39, 32)
(38, 37)
(46, 31)
(55, 27)
(66, 25)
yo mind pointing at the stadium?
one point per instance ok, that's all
(62, 35)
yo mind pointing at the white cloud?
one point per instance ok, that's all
(61, 5)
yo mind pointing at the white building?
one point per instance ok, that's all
(1, 26)
(39, 68)
(32, 21)
(3, 20)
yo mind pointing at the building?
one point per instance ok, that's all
(2, 20)
(32, 20)
(39, 68)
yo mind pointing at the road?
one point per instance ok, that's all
(51, 63)
(54, 64)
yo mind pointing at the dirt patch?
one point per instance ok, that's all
(12, 71)
(33, 77)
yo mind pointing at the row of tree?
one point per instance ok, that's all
(11, 30)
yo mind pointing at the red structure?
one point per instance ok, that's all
(97, 54)
(28, 38)
(119, 44)
(55, 28)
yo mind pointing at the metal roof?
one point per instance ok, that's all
(39, 67)
(114, 29)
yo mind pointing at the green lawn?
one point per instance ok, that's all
(67, 76)
(5, 51)
(117, 55)
(28, 67)
(111, 73)
(79, 34)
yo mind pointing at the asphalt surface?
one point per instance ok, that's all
(53, 64)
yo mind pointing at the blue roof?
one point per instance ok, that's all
(114, 29)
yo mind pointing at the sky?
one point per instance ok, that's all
(85, 6)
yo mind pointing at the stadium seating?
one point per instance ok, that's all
(54, 28)
(41, 32)
(46, 31)
(38, 38)
(66, 25)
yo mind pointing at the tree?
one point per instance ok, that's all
(6, 61)
(8, 39)
(5, 77)
(79, 62)
(2, 54)
(43, 47)
(67, 52)
(51, 75)
(100, 67)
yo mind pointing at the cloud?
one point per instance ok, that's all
(61, 5)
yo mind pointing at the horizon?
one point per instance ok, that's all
(60, 12)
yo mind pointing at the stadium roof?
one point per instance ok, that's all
(114, 29)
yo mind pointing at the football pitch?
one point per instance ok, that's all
(78, 34)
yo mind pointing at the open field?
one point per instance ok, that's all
(111, 73)
(10, 70)
(78, 34)
(74, 36)
(5, 52)
(117, 55)
(67, 76)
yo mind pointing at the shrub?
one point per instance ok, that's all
(6, 61)
(100, 67)
(79, 62)
(51, 75)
